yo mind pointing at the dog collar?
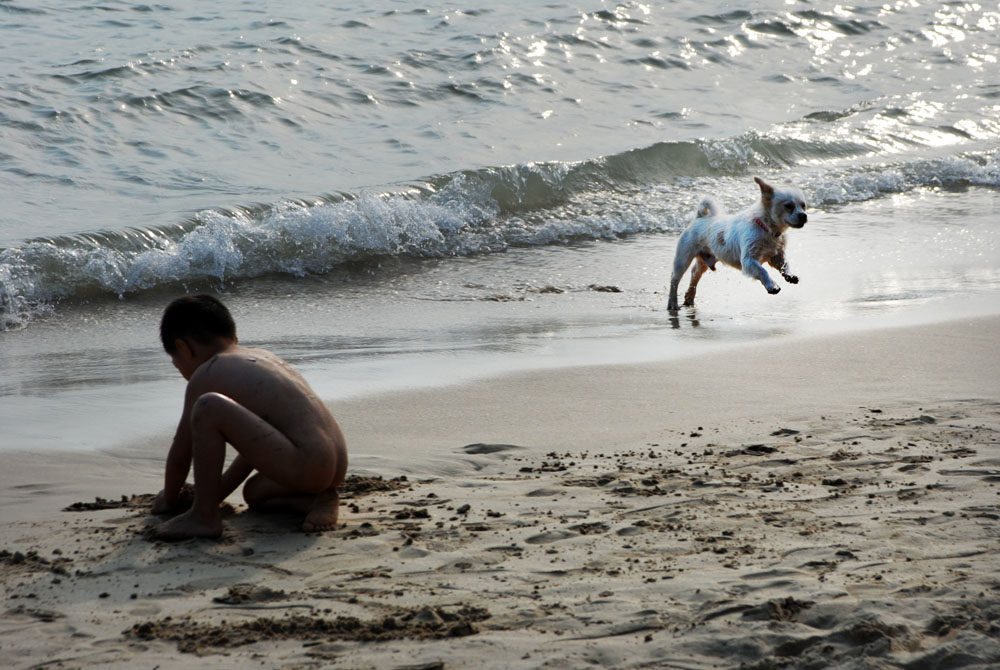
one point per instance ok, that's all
(760, 222)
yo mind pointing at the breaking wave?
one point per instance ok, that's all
(489, 210)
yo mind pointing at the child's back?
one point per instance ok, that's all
(270, 388)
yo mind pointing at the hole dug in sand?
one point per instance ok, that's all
(430, 622)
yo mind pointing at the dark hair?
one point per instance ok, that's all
(202, 318)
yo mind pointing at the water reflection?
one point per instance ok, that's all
(690, 319)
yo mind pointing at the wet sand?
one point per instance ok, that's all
(823, 502)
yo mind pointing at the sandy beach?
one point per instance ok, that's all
(458, 223)
(824, 502)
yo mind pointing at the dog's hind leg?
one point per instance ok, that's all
(696, 272)
(682, 260)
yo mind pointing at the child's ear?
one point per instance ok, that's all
(183, 348)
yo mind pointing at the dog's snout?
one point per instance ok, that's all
(802, 218)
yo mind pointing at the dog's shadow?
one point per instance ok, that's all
(686, 317)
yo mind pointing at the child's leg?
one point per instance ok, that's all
(216, 420)
(321, 509)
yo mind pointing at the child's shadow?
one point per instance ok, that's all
(118, 553)
(254, 544)
(240, 526)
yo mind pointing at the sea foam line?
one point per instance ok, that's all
(461, 214)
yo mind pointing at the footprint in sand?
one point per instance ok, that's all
(551, 536)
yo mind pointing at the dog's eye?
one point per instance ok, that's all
(789, 206)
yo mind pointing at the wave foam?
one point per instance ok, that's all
(460, 214)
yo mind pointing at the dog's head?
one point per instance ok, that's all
(786, 205)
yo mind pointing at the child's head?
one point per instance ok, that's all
(201, 318)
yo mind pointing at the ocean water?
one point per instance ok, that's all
(391, 195)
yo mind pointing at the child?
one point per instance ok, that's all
(256, 402)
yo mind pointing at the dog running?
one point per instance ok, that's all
(743, 240)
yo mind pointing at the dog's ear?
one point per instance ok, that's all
(765, 188)
(766, 191)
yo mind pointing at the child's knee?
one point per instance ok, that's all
(207, 406)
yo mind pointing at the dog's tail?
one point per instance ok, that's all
(708, 207)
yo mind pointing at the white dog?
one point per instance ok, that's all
(743, 240)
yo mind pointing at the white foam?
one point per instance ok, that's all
(461, 216)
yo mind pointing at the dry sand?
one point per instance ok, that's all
(822, 503)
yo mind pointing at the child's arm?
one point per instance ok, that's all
(178, 459)
(234, 475)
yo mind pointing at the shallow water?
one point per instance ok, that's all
(393, 197)
(71, 382)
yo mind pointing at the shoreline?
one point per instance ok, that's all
(479, 318)
(478, 409)
(832, 497)
(936, 360)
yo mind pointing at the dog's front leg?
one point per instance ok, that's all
(779, 263)
(752, 267)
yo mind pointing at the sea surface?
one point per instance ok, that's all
(393, 194)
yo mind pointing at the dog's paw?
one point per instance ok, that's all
(791, 279)
(774, 289)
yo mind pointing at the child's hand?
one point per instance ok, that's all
(161, 504)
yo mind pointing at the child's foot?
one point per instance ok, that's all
(184, 501)
(186, 526)
(323, 513)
